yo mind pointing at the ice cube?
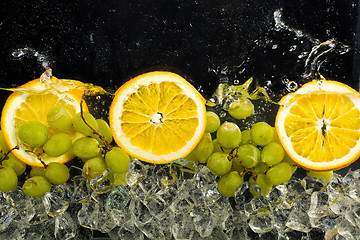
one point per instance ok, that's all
(319, 206)
(262, 221)
(57, 200)
(118, 198)
(65, 227)
(298, 220)
(312, 184)
(104, 182)
(137, 171)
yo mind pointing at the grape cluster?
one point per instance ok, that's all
(55, 139)
(252, 153)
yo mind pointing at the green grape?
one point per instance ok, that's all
(288, 160)
(81, 126)
(236, 166)
(12, 161)
(94, 167)
(203, 149)
(275, 137)
(119, 179)
(260, 168)
(241, 109)
(8, 179)
(86, 148)
(57, 173)
(272, 153)
(327, 175)
(117, 160)
(228, 135)
(36, 186)
(264, 184)
(246, 138)
(228, 183)
(218, 148)
(37, 171)
(212, 122)
(280, 173)
(59, 118)
(248, 155)
(104, 130)
(3, 146)
(33, 133)
(219, 163)
(58, 144)
(261, 133)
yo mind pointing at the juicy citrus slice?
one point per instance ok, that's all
(319, 125)
(157, 117)
(31, 102)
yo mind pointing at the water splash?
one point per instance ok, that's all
(20, 53)
(226, 93)
(319, 54)
(281, 25)
(60, 86)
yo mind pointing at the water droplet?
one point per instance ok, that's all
(236, 82)
(293, 48)
(98, 97)
(275, 46)
(285, 81)
(18, 53)
(291, 86)
(46, 76)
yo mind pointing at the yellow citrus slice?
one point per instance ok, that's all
(31, 102)
(157, 117)
(319, 125)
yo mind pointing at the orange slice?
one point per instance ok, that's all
(31, 102)
(319, 125)
(157, 117)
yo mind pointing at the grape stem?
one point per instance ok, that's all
(246, 170)
(108, 147)
(7, 154)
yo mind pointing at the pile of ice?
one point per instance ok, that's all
(181, 201)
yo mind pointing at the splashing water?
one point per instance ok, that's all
(60, 86)
(30, 52)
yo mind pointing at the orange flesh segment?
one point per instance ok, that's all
(323, 132)
(174, 124)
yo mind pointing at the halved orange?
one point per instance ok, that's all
(31, 102)
(319, 125)
(157, 117)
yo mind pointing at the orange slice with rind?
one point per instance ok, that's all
(157, 117)
(319, 125)
(31, 102)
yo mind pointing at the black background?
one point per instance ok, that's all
(108, 42)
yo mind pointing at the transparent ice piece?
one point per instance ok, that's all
(57, 200)
(203, 221)
(118, 198)
(104, 182)
(82, 189)
(262, 221)
(312, 184)
(141, 213)
(65, 227)
(319, 206)
(40, 211)
(298, 220)
(137, 172)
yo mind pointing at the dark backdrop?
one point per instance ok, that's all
(106, 42)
